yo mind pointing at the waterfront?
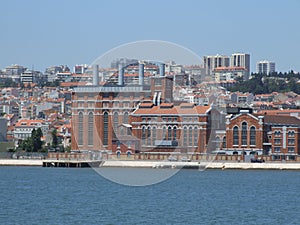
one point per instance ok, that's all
(33, 195)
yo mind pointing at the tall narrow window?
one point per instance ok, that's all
(174, 133)
(148, 135)
(116, 122)
(252, 136)
(153, 135)
(184, 136)
(190, 136)
(90, 129)
(244, 133)
(125, 118)
(195, 136)
(80, 128)
(105, 128)
(235, 135)
(144, 135)
(218, 140)
(169, 133)
(224, 143)
(164, 133)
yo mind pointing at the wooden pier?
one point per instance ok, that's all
(71, 163)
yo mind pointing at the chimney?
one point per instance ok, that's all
(141, 73)
(95, 75)
(162, 69)
(121, 75)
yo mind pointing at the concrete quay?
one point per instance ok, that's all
(203, 165)
(154, 164)
(21, 162)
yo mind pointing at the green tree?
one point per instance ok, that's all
(36, 136)
(26, 145)
(54, 138)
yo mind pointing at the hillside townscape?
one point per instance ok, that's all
(152, 108)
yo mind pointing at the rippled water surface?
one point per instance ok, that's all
(34, 195)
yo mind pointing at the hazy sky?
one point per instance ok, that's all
(54, 32)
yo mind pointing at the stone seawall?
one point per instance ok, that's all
(202, 165)
(167, 164)
(21, 162)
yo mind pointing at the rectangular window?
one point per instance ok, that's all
(291, 149)
(277, 141)
(291, 141)
(277, 149)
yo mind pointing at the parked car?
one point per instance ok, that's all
(185, 159)
(172, 158)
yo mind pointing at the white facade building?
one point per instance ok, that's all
(215, 61)
(24, 128)
(241, 60)
(265, 67)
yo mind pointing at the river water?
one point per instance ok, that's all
(35, 195)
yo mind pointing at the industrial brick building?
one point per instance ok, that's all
(99, 112)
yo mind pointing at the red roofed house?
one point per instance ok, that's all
(24, 128)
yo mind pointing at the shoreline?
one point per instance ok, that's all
(21, 162)
(203, 165)
(167, 164)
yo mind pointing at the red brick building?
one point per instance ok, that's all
(244, 133)
(273, 135)
(283, 135)
(169, 128)
(100, 114)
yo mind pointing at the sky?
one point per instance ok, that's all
(39, 34)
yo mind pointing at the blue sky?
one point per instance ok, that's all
(54, 32)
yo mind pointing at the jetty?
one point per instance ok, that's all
(71, 163)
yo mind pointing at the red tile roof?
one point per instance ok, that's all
(282, 120)
(28, 122)
(176, 110)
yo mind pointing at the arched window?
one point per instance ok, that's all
(195, 136)
(224, 143)
(218, 140)
(190, 136)
(174, 133)
(153, 135)
(116, 122)
(169, 133)
(291, 133)
(235, 135)
(143, 135)
(244, 133)
(105, 128)
(90, 129)
(80, 128)
(252, 136)
(148, 135)
(125, 117)
(277, 133)
(164, 133)
(184, 136)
